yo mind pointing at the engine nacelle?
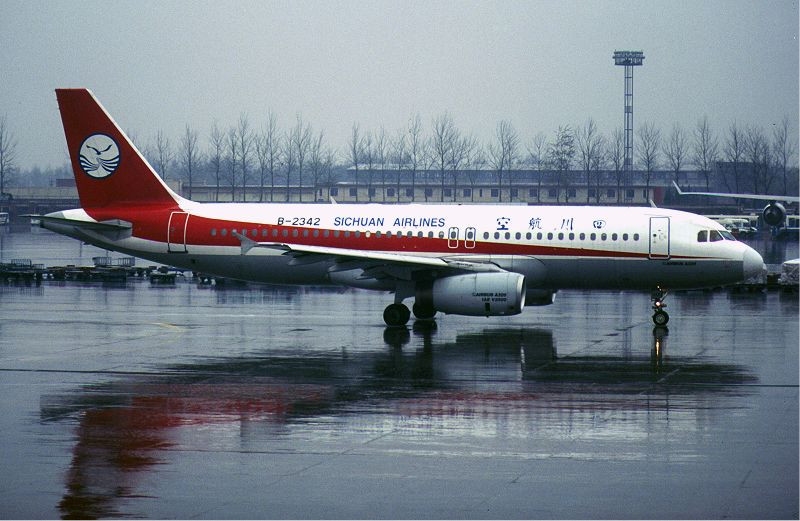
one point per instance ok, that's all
(774, 214)
(479, 294)
(539, 297)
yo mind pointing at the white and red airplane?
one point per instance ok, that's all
(460, 259)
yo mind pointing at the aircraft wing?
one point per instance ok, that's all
(346, 258)
(780, 198)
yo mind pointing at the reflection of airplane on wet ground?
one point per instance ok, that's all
(459, 259)
(127, 427)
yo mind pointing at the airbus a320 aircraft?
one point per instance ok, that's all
(460, 259)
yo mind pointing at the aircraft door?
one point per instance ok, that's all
(452, 238)
(469, 238)
(659, 237)
(176, 232)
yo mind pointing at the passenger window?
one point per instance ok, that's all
(485, 235)
(224, 232)
(582, 236)
(213, 232)
(539, 236)
(560, 236)
(593, 237)
(624, 236)
(702, 236)
(635, 236)
(550, 236)
(614, 236)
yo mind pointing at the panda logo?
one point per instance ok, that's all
(99, 156)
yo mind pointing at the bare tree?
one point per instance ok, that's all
(734, 151)
(368, 155)
(503, 152)
(589, 142)
(164, 154)
(443, 141)
(560, 155)
(245, 135)
(647, 151)
(461, 155)
(705, 150)
(356, 149)
(399, 156)
(416, 152)
(757, 152)
(616, 154)
(675, 150)
(190, 155)
(783, 149)
(381, 156)
(301, 141)
(8, 154)
(272, 150)
(231, 157)
(289, 160)
(316, 159)
(537, 157)
(216, 141)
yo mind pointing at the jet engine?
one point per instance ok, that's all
(476, 294)
(774, 214)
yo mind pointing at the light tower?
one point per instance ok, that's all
(629, 59)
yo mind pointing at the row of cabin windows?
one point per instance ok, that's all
(561, 236)
(470, 234)
(552, 193)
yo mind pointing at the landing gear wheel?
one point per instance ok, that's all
(660, 318)
(423, 312)
(396, 315)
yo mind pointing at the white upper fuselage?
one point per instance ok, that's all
(553, 246)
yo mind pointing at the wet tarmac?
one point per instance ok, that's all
(188, 401)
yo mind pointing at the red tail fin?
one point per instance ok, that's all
(109, 170)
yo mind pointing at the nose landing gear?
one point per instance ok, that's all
(660, 317)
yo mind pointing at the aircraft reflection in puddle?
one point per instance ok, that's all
(491, 380)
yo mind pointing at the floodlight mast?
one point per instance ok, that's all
(628, 59)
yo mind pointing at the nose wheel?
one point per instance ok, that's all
(660, 316)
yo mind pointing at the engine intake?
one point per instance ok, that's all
(774, 214)
(476, 294)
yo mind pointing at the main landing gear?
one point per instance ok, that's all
(398, 314)
(660, 317)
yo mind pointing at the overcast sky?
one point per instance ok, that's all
(539, 64)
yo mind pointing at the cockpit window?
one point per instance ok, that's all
(702, 236)
(714, 235)
(728, 236)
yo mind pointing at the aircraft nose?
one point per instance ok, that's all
(752, 263)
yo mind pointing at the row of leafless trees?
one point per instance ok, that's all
(241, 157)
